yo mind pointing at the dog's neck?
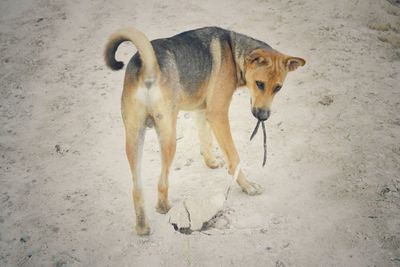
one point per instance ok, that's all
(242, 46)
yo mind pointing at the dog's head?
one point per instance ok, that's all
(265, 74)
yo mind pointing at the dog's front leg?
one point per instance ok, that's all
(220, 124)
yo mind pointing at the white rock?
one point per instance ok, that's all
(193, 213)
(179, 216)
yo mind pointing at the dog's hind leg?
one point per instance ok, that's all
(205, 137)
(134, 120)
(165, 123)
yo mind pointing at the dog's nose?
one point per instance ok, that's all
(260, 113)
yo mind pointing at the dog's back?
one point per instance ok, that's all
(186, 56)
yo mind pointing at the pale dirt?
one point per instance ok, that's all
(332, 179)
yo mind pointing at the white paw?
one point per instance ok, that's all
(253, 189)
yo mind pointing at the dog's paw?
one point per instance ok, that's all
(214, 163)
(163, 207)
(142, 230)
(253, 189)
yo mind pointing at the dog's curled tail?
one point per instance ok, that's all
(144, 47)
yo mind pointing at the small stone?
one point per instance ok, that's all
(384, 191)
(279, 263)
(189, 162)
(61, 263)
(62, 149)
(24, 239)
(326, 100)
(276, 220)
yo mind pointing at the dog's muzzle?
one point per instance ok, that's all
(261, 114)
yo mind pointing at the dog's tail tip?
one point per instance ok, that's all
(109, 54)
(116, 65)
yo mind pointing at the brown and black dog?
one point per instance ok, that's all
(196, 70)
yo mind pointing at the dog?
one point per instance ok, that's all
(197, 70)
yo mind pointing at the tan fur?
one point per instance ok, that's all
(273, 72)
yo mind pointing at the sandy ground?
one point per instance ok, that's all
(332, 179)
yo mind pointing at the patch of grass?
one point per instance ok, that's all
(392, 39)
(377, 26)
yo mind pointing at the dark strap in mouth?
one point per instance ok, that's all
(265, 144)
(265, 138)
(255, 130)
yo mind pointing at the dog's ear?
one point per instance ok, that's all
(292, 63)
(257, 57)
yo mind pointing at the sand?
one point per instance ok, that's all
(332, 178)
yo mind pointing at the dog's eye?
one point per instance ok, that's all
(277, 88)
(260, 85)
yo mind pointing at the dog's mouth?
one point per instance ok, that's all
(265, 138)
(261, 114)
